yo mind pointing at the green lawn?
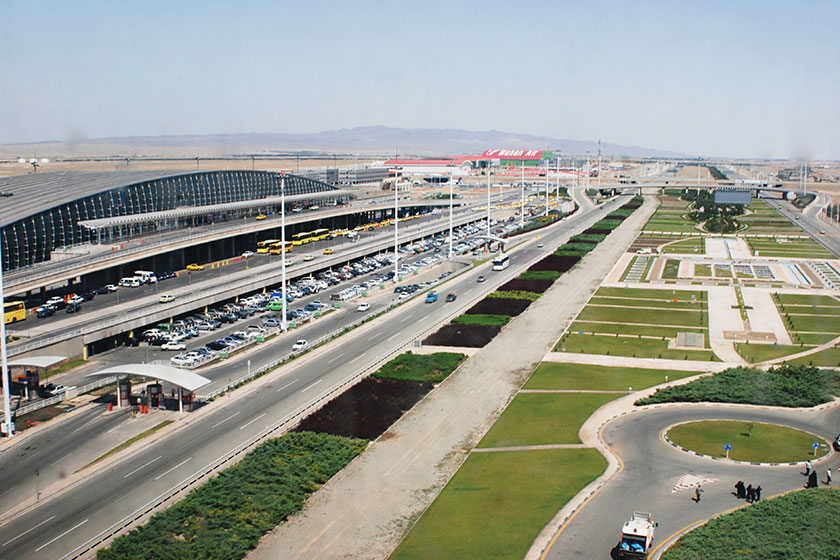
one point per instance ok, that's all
(481, 319)
(620, 328)
(671, 268)
(811, 323)
(421, 367)
(766, 443)
(813, 339)
(650, 293)
(543, 418)
(647, 302)
(812, 310)
(565, 376)
(679, 317)
(631, 347)
(796, 248)
(829, 357)
(702, 270)
(757, 353)
(498, 502)
(692, 246)
(803, 299)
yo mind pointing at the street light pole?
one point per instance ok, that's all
(396, 230)
(7, 407)
(283, 323)
(450, 218)
(522, 197)
(488, 204)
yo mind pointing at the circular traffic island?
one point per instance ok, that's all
(753, 442)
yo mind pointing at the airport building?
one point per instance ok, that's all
(45, 212)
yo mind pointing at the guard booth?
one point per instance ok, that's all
(186, 382)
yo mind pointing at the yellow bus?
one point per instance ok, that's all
(319, 235)
(301, 238)
(277, 248)
(14, 311)
(264, 246)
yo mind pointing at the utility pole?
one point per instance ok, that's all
(7, 407)
(450, 218)
(283, 323)
(599, 165)
(522, 198)
(396, 230)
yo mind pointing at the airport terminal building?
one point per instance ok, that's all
(48, 211)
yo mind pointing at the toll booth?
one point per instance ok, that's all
(124, 393)
(187, 398)
(156, 396)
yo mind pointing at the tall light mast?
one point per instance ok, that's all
(284, 325)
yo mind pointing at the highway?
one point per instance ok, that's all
(651, 468)
(61, 522)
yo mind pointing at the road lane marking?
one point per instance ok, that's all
(86, 424)
(310, 386)
(406, 319)
(334, 359)
(359, 357)
(252, 421)
(392, 337)
(61, 535)
(143, 467)
(290, 383)
(374, 336)
(29, 530)
(120, 425)
(161, 475)
(217, 424)
(468, 291)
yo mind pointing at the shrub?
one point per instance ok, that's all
(481, 319)
(540, 275)
(421, 367)
(519, 294)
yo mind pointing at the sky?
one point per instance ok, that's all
(709, 78)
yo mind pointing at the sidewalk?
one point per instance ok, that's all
(365, 510)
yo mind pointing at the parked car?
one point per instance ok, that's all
(73, 308)
(300, 345)
(46, 311)
(166, 298)
(172, 345)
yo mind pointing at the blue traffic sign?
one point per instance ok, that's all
(815, 444)
(727, 447)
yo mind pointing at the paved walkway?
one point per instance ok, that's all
(723, 316)
(366, 509)
(650, 363)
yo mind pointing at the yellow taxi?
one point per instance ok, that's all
(328, 251)
(195, 266)
(260, 216)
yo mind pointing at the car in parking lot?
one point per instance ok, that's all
(300, 345)
(166, 298)
(73, 308)
(45, 311)
(173, 345)
(363, 307)
(195, 266)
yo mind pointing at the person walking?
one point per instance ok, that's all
(697, 492)
(812, 480)
(807, 468)
(749, 492)
(739, 489)
(828, 476)
(757, 493)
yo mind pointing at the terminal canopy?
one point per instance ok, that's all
(178, 377)
(36, 361)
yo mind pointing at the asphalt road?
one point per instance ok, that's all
(652, 468)
(63, 521)
(810, 223)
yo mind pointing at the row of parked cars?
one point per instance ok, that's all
(211, 350)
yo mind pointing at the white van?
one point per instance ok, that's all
(145, 276)
(131, 282)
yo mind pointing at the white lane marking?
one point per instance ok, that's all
(392, 337)
(406, 319)
(217, 424)
(287, 385)
(468, 291)
(334, 359)
(359, 357)
(120, 425)
(310, 386)
(252, 421)
(161, 475)
(28, 530)
(89, 422)
(59, 536)
(374, 336)
(143, 467)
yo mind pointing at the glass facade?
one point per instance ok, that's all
(31, 239)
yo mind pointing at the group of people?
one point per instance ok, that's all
(749, 493)
(812, 475)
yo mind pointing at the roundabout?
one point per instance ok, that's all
(648, 474)
(746, 441)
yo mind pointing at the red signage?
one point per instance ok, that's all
(512, 154)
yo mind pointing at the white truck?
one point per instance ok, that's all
(636, 536)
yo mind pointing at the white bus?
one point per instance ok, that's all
(501, 262)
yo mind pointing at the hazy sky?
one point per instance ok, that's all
(728, 78)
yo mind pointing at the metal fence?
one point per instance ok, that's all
(58, 398)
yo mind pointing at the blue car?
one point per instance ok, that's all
(431, 297)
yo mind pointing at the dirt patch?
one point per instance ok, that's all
(367, 409)
(558, 263)
(520, 284)
(499, 306)
(471, 336)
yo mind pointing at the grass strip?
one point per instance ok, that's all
(481, 319)
(128, 442)
(421, 367)
(525, 488)
(566, 376)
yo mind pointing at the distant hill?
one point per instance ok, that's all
(368, 140)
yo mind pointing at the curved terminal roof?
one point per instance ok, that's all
(37, 361)
(179, 377)
(45, 190)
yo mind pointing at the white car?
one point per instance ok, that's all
(363, 307)
(300, 345)
(308, 258)
(247, 254)
(111, 287)
(172, 345)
